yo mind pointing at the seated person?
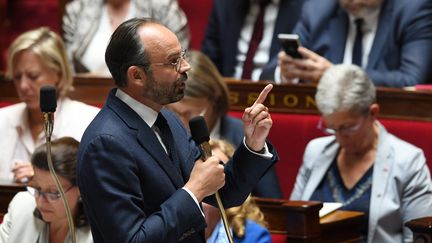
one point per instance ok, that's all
(361, 165)
(232, 41)
(88, 25)
(39, 214)
(390, 39)
(37, 58)
(246, 221)
(207, 94)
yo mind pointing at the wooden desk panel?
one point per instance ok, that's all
(300, 222)
(395, 103)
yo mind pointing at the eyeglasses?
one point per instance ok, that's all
(51, 197)
(345, 130)
(177, 64)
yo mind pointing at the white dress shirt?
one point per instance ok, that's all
(262, 54)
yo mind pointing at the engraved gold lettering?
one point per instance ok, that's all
(290, 100)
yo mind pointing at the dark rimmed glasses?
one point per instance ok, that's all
(51, 197)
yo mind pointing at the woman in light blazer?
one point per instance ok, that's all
(38, 215)
(362, 165)
(37, 58)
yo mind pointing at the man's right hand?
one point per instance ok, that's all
(206, 178)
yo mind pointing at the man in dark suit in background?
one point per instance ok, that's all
(139, 172)
(230, 31)
(394, 42)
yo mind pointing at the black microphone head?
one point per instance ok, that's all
(199, 130)
(48, 98)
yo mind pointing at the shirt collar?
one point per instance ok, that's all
(370, 19)
(146, 113)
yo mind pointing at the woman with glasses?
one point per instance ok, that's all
(360, 164)
(38, 215)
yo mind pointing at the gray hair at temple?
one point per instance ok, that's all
(344, 87)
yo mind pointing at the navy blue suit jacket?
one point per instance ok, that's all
(130, 188)
(401, 54)
(268, 186)
(225, 24)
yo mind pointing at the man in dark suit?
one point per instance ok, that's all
(396, 40)
(139, 172)
(230, 29)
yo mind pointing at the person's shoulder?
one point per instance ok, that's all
(256, 232)
(323, 5)
(10, 113)
(12, 108)
(23, 203)
(401, 147)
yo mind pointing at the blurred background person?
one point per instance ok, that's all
(241, 35)
(88, 25)
(37, 58)
(390, 39)
(246, 221)
(362, 165)
(207, 94)
(38, 215)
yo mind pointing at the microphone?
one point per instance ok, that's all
(48, 105)
(201, 136)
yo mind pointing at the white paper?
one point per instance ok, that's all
(329, 207)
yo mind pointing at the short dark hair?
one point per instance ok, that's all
(64, 157)
(125, 49)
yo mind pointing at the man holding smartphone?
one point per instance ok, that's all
(241, 35)
(390, 39)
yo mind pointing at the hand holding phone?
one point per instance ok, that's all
(290, 44)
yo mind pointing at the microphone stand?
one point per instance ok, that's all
(48, 126)
(206, 154)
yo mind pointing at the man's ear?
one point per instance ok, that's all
(136, 75)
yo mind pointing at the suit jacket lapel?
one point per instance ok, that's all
(381, 34)
(149, 141)
(382, 169)
(338, 29)
(233, 24)
(146, 137)
(320, 169)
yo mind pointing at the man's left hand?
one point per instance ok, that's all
(257, 122)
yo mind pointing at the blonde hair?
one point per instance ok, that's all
(237, 216)
(50, 48)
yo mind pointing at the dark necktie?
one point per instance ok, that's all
(358, 49)
(256, 38)
(167, 137)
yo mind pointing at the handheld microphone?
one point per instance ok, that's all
(48, 105)
(201, 136)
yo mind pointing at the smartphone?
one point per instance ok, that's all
(290, 44)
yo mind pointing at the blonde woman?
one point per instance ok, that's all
(37, 58)
(246, 221)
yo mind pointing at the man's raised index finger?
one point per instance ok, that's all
(263, 95)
